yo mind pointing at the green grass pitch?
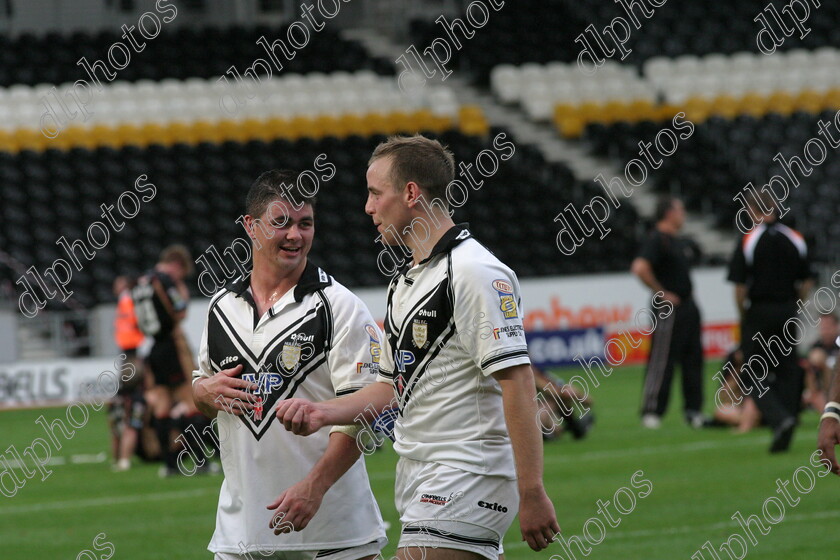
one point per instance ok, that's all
(699, 480)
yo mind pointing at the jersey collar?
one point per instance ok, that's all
(313, 279)
(451, 239)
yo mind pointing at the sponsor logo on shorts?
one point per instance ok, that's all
(434, 499)
(427, 313)
(493, 506)
(507, 303)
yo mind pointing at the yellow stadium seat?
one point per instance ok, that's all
(697, 108)
(31, 139)
(439, 123)
(725, 106)
(277, 127)
(232, 130)
(8, 143)
(640, 110)
(181, 132)
(355, 124)
(809, 101)
(614, 111)
(564, 110)
(782, 103)
(155, 133)
(105, 135)
(129, 134)
(257, 129)
(571, 126)
(205, 131)
(299, 127)
(325, 125)
(831, 99)
(666, 112)
(753, 104)
(472, 121)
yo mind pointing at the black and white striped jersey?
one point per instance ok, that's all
(452, 320)
(317, 342)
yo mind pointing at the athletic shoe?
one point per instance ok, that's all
(651, 421)
(698, 420)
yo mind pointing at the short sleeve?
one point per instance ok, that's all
(355, 350)
(204, 369)
(737, 266)
(651, 250)
(386, 363)
(488, 316)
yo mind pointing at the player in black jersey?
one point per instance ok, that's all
(160, 304)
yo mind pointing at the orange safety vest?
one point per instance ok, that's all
(126, 332)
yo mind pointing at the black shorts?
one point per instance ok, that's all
(164, 363)
(127, 410)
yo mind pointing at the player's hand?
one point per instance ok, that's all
(672, 297)
(224, 391)
(295, 507)
(537, 519)
(829, 436)
(301, 417)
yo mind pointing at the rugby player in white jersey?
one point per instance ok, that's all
(455, 355)
(287, 329)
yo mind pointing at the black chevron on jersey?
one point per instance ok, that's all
(425, 330)
(282, 366)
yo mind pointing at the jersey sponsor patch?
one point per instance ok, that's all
(507, 303)
(375, 348)
(510, 331)
(420, 333)
(290, 356)
(367, 367)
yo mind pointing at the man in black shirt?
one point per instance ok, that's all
(663, 266)
(160, 304)
(770, 269)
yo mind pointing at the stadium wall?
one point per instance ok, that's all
(609, 302)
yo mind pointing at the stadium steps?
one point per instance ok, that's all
(714, 243)
(555, 149)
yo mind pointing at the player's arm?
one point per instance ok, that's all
(298, 504)
(222, 390)
(643, 269)
(537, 518)
(303, 417)
(741, 299)
(829, 433)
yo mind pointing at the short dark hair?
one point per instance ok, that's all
(274, 184)
(418, 159)
(663, 204)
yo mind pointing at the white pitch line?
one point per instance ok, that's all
(613, 534)
(110, 501)
(61, 460)
(635, 452)
(650, 450)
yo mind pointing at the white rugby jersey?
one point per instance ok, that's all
(452, 320)
(317, 342)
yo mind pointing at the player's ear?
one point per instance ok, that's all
(248, 223)
(411, 193)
